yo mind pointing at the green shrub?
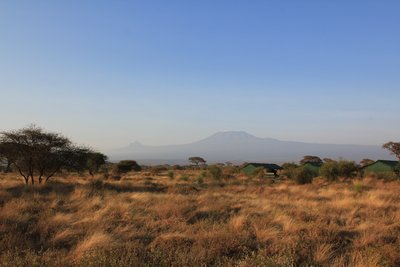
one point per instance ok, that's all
(346, 168)
(289, 169)
(215, 172)
(184, 177)
(125, 166)
(171, 175)
(332, 170)
(200, 180)
(302, 175)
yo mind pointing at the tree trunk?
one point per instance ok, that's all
(8, 167)
(32, 180)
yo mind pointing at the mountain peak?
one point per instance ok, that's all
(234, 134)
(230, 136)
(135, 144)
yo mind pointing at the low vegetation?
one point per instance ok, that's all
(142, 220)
(96, 213)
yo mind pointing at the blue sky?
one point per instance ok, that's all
(107, 73)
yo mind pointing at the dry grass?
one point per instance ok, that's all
(145, 221)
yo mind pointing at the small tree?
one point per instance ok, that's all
(393, 147)
(289, 169)
(36, 153)
(197, 161)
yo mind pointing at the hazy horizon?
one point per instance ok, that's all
(107, 74)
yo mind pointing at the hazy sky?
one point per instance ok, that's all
(107, 73)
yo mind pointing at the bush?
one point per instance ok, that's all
(334, 169)
(289, 169)
(302, 175)
(330, 170)
(171, 175)
(229, 172)
(259, 172)
(347, 168)
(157, 170)
(215, 172)
(125, 166)
(200, 180)
(184, 177)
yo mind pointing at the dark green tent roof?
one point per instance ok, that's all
(270, 166)
(392, 163)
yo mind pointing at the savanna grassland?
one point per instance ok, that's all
(178, 220)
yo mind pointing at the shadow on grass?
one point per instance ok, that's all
(122, 188)
(51, 187)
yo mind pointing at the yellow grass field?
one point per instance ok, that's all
(151, 220)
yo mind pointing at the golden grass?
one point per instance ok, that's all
(143, 221)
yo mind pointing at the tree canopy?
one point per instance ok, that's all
(311, 159)
(197, 160)
(393, 147)
(39, 155)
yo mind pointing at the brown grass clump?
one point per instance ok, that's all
(138, 221)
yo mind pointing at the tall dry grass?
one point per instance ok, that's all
(145, 221)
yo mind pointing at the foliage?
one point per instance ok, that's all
(302, 175)
(215, 172)
(230, 171)
(36, 153)
(346, 168)
(393, 147)
(94, 161)
(184, 177)
(197, 160)
(87, 222)
(200, 180)
(311, 159)
(335, 169)
(330, 170)
(125, 166)
(289, 165)
(289, 169)
(171, 175)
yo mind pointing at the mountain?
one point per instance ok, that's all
(238, 146)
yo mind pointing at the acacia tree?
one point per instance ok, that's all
(393, 147)
(311, 159)
(197, 160)
(36, 153)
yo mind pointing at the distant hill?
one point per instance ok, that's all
(238, 146)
